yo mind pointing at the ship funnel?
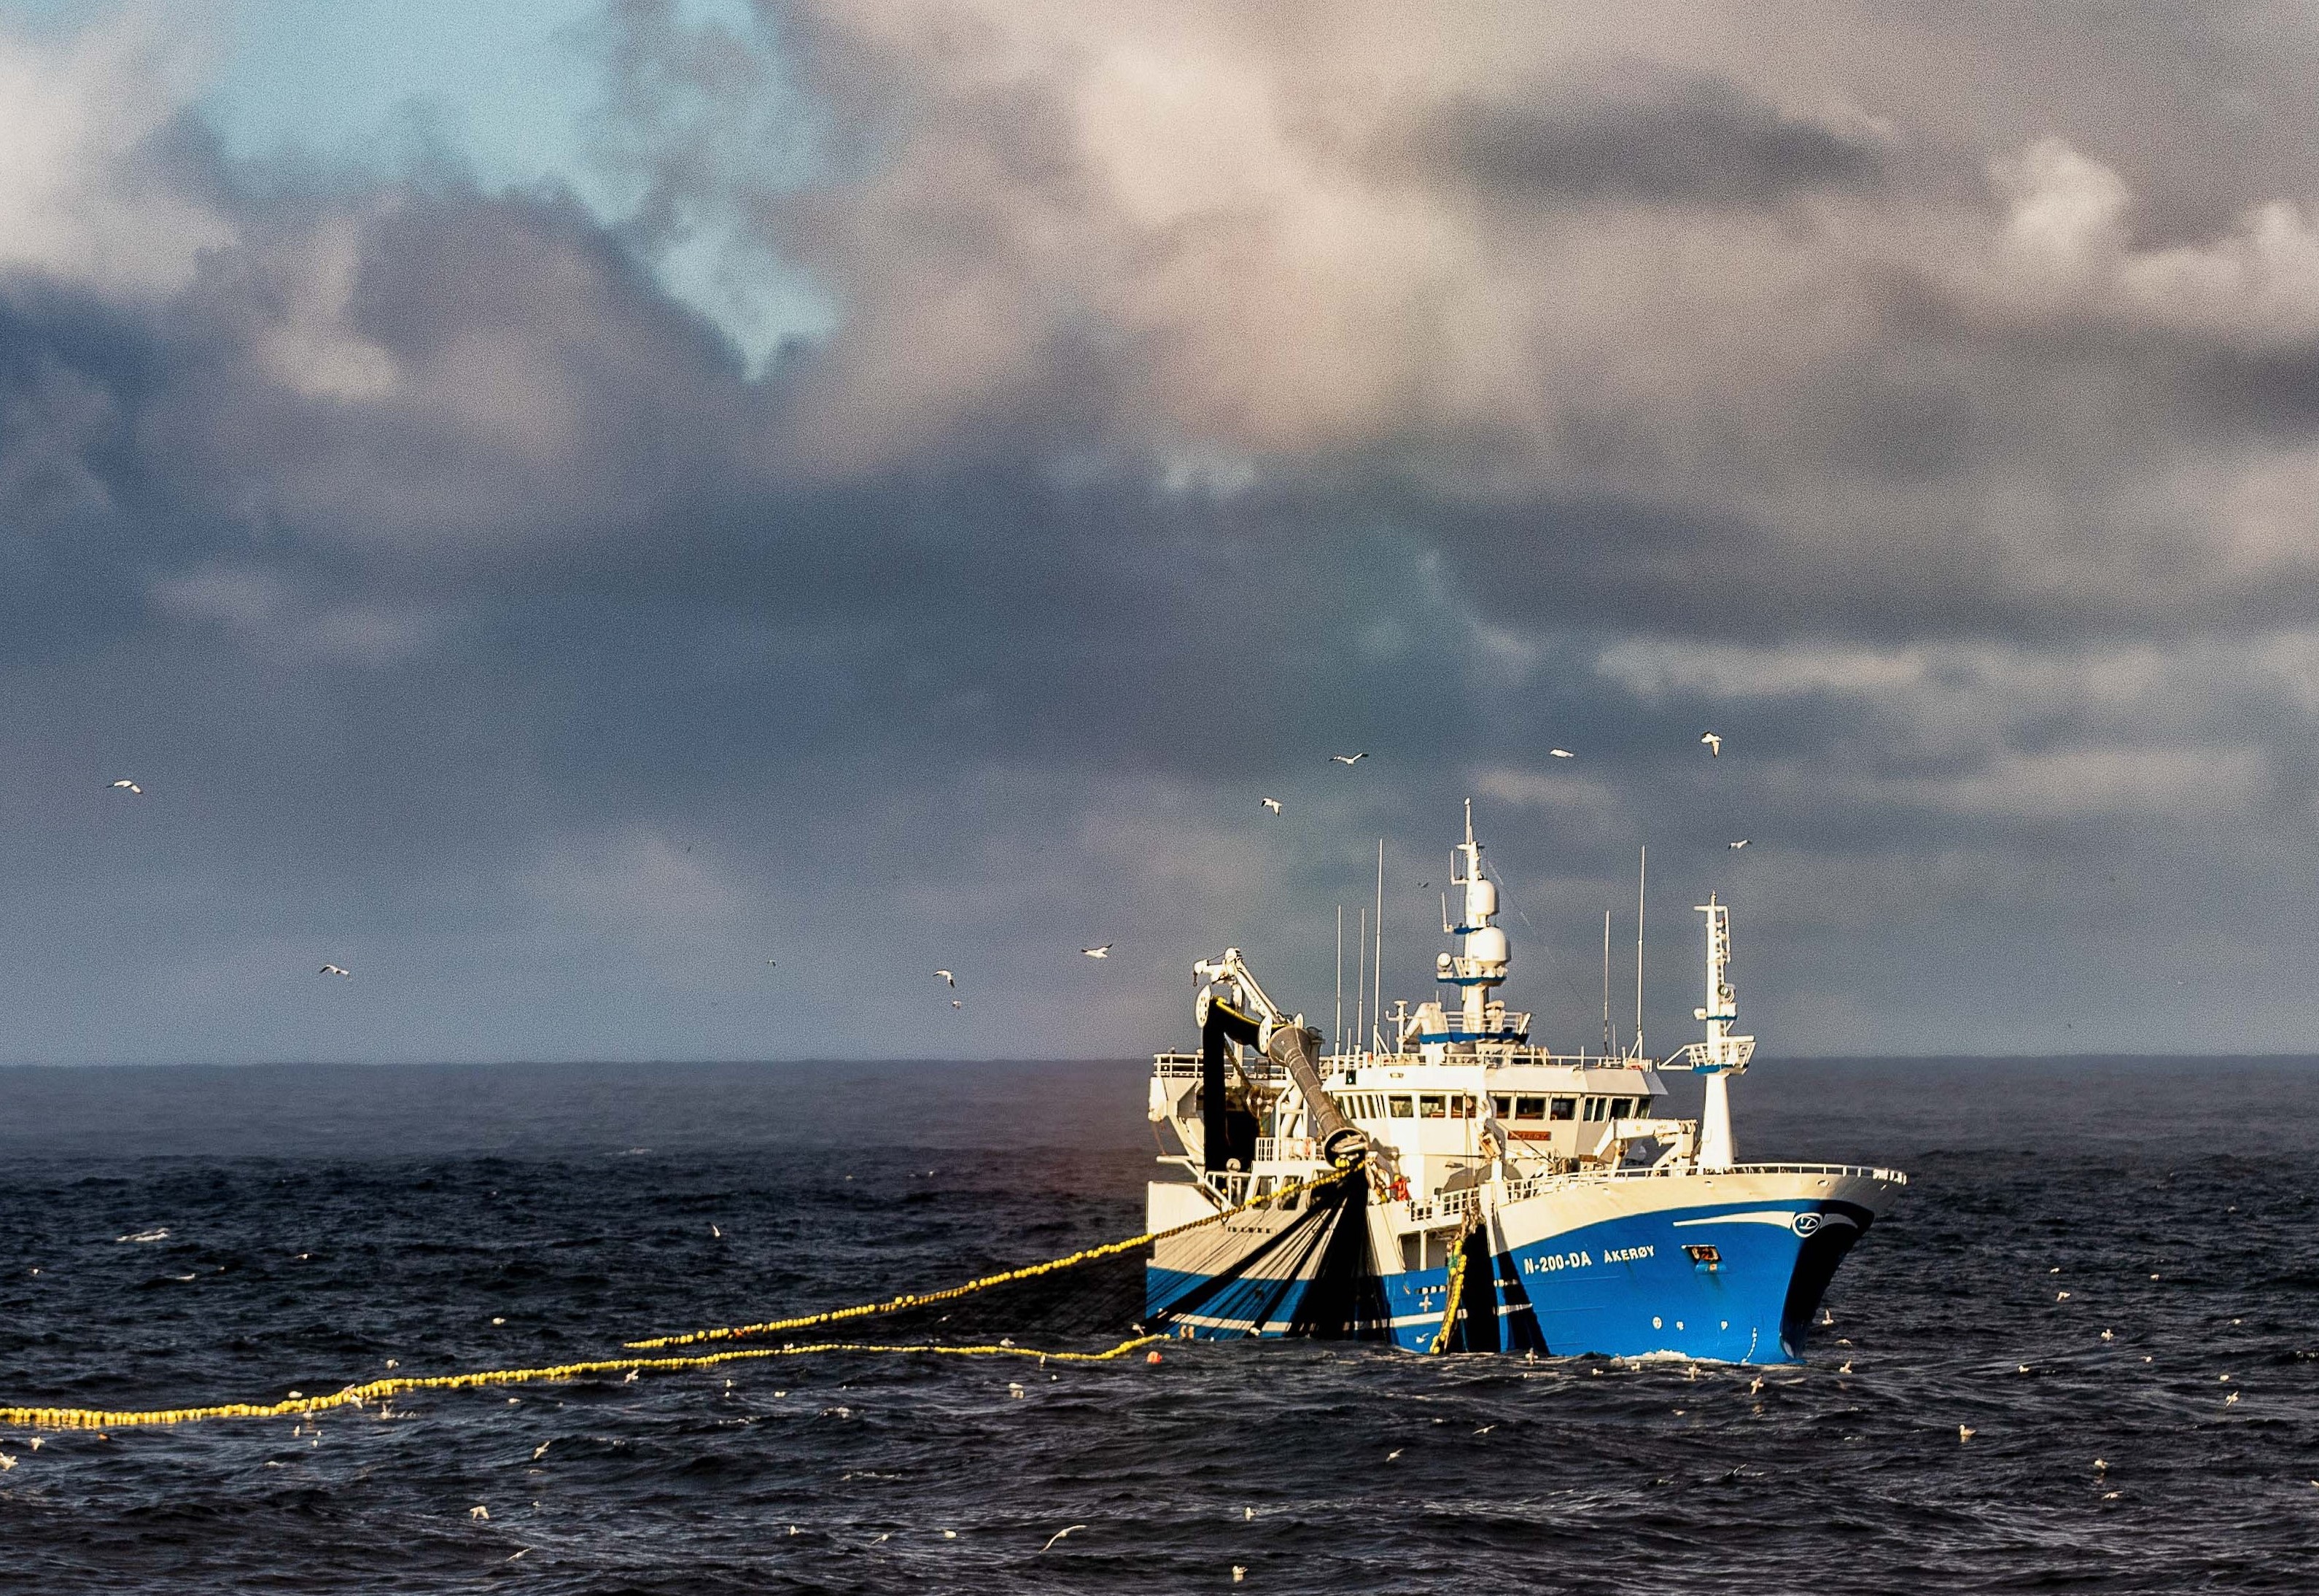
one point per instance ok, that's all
(1296, 1049)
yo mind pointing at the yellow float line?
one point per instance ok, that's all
(1456, 1285)
(355, 1396)
(1031, 1271)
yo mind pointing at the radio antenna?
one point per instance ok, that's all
(1376, 962)
(1336, 1031)
(1608, 1045)
(1642, 874)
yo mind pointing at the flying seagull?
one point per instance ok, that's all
(126, 784)
(1271, 804)
(947, 977)
(1735, 847)
(1348, 759)
(1714, 742)
(1101, 953)
(954, 1003)
(1058, 1535)
(1561, 753)
(334, 970)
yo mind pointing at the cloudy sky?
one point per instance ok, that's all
(560, 504)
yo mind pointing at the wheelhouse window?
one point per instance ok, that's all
(1400, 1104)
(1594, 1106)
(1621, 1107)
(1430, 1106)
(1458, 1104)
(1564, 1108)
(1642, 1108)
(1530, 1108)
(1503, 1107)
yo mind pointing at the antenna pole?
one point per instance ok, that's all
(1642, 874)
(1337, 1028)
(1376, 962)
(1360, 978)
(1607, 1045)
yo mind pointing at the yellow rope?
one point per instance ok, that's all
(1029, 1272)
(355, 1396)
(1456, 1283)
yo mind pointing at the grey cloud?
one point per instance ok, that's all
(463, 599)
(1700, 142)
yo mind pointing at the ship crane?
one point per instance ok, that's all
(1229, 990)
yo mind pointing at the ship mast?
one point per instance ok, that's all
(1722, 1055)
(1481, 960)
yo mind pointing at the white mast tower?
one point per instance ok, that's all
(1481, 960)
(1722, 1055)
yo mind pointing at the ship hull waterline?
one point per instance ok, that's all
(1712, 1266)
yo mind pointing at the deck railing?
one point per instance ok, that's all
(1445, 1206)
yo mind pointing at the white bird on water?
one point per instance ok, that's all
(1714, 744)
(125, 785)
(1348, 759)
(956, 1003)
(336, 971)
(1964, 1433)
(947, 977)
(1561, 753)
(1101, 953)
(1271, 804)
(1058, 1535)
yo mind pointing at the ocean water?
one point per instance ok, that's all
(321, 1220)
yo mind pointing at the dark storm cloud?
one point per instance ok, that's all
(1702, 142)
(470, 608)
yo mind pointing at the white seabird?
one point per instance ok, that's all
(1714, 744)
(1101, 953)
(1348, 759)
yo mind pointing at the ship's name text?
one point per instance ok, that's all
(1553, 1261)
(1579, 1260)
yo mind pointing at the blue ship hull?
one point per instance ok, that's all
(1733, 1281)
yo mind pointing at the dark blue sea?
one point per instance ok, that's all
(321, 1220)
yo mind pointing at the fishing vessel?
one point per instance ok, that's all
(1444, 1184)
